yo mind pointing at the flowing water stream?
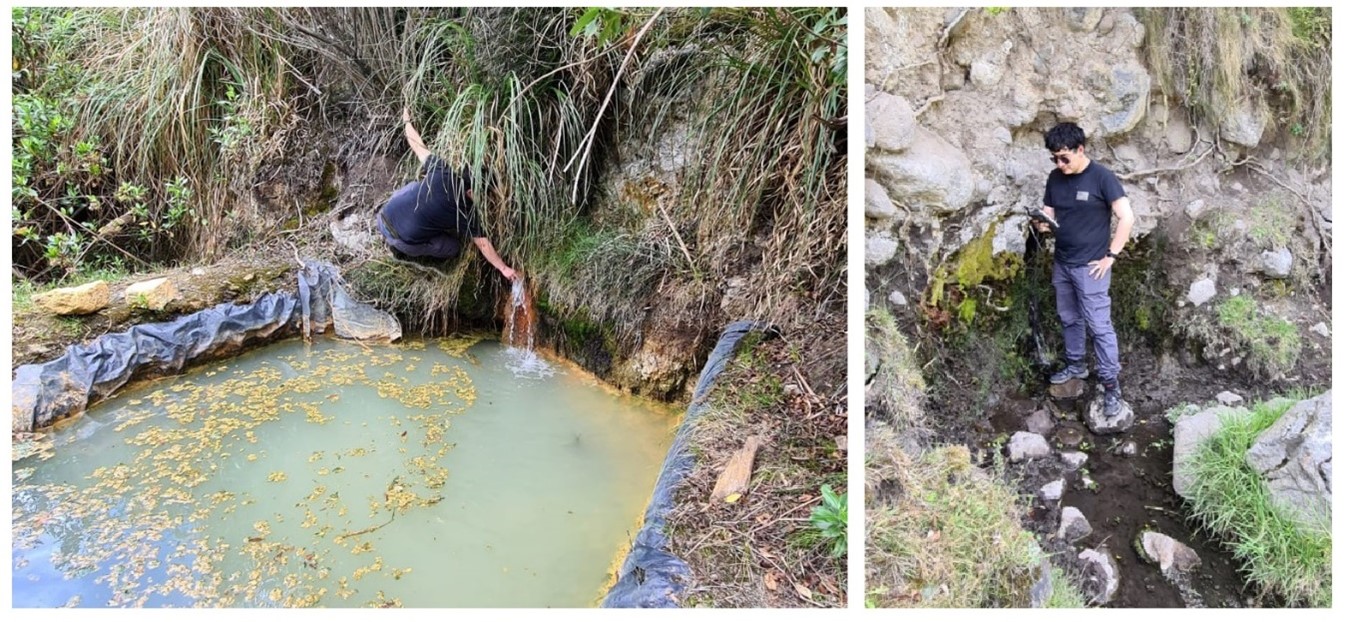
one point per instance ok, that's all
(426, 474)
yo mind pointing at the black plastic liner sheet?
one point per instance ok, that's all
(45, 393)
(651, 576)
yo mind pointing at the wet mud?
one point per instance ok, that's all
(1125, 486)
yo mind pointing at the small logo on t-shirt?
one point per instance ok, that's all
(1082, 195)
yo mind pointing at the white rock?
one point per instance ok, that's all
(1189, 432)
(1167, 552)
(898, 299)
(1074, 459)
(1195, 208)
(1052, 492)
(1320, 328)
(881, 248)
(1102, 573)
(1025, 446)
(879, 204)
(1277, 264)
(1228, 398)
(1201, 292)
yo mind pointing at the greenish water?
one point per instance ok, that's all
(418, 475)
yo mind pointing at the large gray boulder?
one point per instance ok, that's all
(1243, 123)
(931, 173)
(1294, 457)
(890, 122)
(1188, 434)
(1130, 84)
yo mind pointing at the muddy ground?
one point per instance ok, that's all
(1130, 493)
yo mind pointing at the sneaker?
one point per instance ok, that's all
(1111, 400)
(1075, 369)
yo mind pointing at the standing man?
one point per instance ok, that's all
(1082, 195)
(429, 217)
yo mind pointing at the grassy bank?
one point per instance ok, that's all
(1279, 555)
(941, 532)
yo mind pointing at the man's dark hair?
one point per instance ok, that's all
(487, 181)
(1064, 136)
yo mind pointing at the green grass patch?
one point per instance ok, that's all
(1272, 343)
(1273, 221)
(952, 538)
(1279, 555)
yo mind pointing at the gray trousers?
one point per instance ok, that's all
(1084, 305)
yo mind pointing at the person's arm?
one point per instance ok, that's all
(414, 139)
(490, 253)
(1125, 222)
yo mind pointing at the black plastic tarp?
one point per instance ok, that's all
(651, 576)
(48, 392)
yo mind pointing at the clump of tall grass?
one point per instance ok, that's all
(948, 534)
(1212, 58)
(1279, 554)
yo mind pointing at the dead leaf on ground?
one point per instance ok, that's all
(802, 590)
(771, 582)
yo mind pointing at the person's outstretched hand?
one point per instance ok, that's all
(511, 275)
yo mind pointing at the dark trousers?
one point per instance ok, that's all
(440, 247)
(1084, 306)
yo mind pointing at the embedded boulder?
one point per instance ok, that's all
(154, 294)
(890, 122)
(1097, 420)
(1166, 551)
(1188, 434)
(1293, 456)
(1101, 573)
(931, 173)
(1025, 446)
(79, 300)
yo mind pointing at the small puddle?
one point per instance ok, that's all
(1129, 493)
(426, 474)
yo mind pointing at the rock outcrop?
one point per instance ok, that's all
(1293, 456)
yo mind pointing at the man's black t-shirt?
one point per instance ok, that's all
(432, 207)
(1082, 205)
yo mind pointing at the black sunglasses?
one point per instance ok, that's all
(1060, 159)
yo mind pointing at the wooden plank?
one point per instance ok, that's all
(735, 478)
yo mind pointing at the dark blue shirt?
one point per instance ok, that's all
(432, 207)
(1082, 205)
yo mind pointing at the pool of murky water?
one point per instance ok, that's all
(427, 474)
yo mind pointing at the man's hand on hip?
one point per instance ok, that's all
(1100, 267)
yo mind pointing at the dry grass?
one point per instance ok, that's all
(762, 550)
(940, 531)
(1279, 58)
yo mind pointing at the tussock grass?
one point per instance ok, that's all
(1211, 58)
(895, 392)
(950, 535)
(1280, 555)
(940, 531)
